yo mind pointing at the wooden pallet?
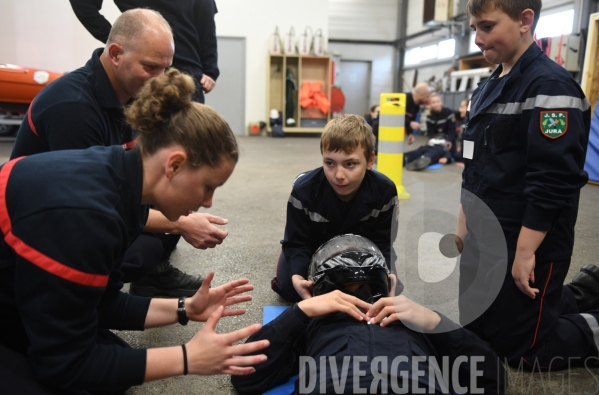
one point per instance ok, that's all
(590, 75)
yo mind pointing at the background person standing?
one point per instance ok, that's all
(194, 32)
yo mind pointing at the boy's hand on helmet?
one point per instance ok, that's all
(302, 286)
(387, 310)
(334, 302)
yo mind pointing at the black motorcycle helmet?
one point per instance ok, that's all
(349, 259)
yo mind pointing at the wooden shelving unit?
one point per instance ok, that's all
(473, 62)
(304, 68)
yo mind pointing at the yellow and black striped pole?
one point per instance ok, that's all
(391, 137)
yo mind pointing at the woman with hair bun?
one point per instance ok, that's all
(67, 217)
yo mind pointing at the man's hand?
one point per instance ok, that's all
(410, 139)
(461, 230)
(524, 262)
(334, 302)
(387, 310)
(211, 353)
(198, 230)
(415, 125)
(207, 83)
(523, 271)
(207, 300)
(302, 286)
(459, 243)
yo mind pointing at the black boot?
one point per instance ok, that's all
(166, 280)
(419, 163)
(585, 287)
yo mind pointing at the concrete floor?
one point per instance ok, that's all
(254, 200)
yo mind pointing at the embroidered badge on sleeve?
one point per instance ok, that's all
(554, 124)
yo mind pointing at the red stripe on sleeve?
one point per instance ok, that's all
(29, 120)
(34, 256)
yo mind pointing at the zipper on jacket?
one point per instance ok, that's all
(485, 133)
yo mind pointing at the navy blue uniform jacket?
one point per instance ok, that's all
(524, 176)
(77, 111)
(67, 218)
(314, 216)
(293, 334)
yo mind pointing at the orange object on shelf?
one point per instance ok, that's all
(19, 85)
(311, 95)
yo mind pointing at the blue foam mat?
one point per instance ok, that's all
(434, 166)
(592, 161)
(270, 313)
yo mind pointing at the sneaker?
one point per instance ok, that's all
(585, 287)
(419, 164)
(166, 280)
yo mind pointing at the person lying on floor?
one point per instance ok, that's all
(339, 342)
(436, 150)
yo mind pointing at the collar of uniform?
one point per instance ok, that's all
(134, 176)
(367, 193)
(527, 58)
(104, 91)
(522, 63)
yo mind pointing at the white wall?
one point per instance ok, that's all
(46, 34)
(363, 19)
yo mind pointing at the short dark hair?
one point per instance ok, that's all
(346, 133)
(513, 8)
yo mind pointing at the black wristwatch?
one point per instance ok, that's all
(183, 320)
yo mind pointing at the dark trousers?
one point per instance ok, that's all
(16, 377)
(543, 332)
(282, 284)
(434, 152)
(196, 74)
(145, 253)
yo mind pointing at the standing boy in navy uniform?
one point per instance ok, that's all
(524, 147)
(343, 196)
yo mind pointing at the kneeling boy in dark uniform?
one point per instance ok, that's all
(343, 196)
